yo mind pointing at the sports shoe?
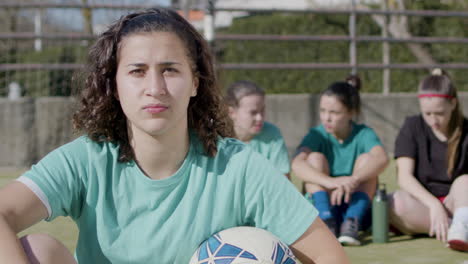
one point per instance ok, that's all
(331, 223)
(457, 237)
(349, 232)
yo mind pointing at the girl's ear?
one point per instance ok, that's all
(231, 112)
(196, 82)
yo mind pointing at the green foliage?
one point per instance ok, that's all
(48, 82)
(313, 81)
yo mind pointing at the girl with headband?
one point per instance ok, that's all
(154, 173)
(339, 162)
(431, 153)
(246, 102)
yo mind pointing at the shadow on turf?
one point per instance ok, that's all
(366, 238)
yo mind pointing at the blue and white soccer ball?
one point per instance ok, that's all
(243, 245)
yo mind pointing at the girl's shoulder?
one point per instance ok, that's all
(230, 146)
(359, 128)
(414, 123)
(84, 147)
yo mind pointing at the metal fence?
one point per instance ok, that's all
(41, 56)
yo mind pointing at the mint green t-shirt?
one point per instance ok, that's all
(125, 217)
(341, 156)
(270, 143)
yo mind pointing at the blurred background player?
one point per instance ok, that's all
(246, 102)
(431, 153)
(339, 161)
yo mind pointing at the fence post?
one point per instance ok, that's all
(38, 29)
(352, 33)
(385, 52)
(209, 23)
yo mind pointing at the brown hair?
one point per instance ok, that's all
(100, 115)
(439, 82)
(240, 89)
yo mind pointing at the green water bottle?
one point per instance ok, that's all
(380, 215)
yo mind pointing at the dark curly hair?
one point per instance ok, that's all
(100, 115)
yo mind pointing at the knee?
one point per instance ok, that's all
(399, 202)
(42, 248)
(317, 159)
(461, 180)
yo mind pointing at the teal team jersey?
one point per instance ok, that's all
(125, 217)
(341, 156)
(270, 143)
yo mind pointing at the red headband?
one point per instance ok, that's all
(435, 95)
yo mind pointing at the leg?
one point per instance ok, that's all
(368, 186)
(317, 194)
(319, 162)
(44, 249)
(408, 214)
(457, 203)
(458, 195)
(358, 206)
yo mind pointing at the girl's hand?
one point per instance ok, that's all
(348, 184)
(336, 196)
(439, 221)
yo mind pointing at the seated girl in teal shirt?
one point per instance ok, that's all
(154, 173)
(339, 161)
(246, 102)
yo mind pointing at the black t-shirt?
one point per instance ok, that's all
(416, 140)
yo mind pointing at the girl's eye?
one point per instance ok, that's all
(169, 70)
(137, 72)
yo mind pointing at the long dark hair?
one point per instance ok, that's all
(100, 115)
(347, 93)
(440, 83)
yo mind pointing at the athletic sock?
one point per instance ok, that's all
(460, 215)
(358, 206)
(321, 201)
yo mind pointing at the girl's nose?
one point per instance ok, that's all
(156, 85)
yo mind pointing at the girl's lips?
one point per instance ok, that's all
(155, 108)
(258, 128)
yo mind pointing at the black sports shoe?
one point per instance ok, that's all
(349, 232)
(331, 223)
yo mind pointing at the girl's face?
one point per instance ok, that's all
(334, 115)
(249, 116)
(437, 111)
(154, 82)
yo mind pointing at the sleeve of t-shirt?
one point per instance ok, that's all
(273, 203)
(56, 180)
(369, 139)
(279, 154)
(312, 141)
(405, 143)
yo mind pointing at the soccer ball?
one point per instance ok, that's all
(243, 245)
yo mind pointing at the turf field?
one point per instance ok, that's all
(401, 249)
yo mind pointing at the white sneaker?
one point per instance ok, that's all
(457, 237)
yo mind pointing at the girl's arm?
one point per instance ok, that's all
(408, 182)
(307, 173)
(318, 245)
(378, 161)
(20, 208)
